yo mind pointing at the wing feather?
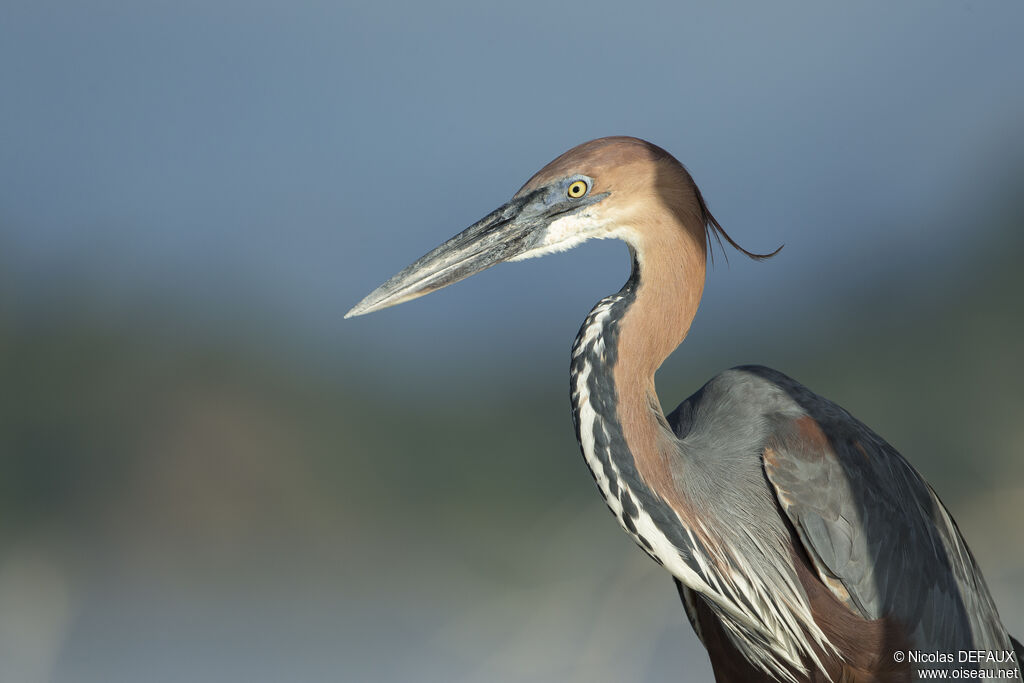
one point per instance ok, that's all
(876, 533)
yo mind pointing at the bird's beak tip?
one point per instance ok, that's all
(359, 309)
(373, 302)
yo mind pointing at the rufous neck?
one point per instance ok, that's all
(654, 312)
(668, 281)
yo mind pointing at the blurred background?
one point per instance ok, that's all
(207, 475)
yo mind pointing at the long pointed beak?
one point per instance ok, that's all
(505, 233)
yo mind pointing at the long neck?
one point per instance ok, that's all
(624, 341)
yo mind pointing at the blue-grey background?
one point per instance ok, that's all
(205, 474)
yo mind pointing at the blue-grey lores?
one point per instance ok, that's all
(805, 548)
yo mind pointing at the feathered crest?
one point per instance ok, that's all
(713, 228)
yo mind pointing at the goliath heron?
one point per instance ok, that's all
(804, 547)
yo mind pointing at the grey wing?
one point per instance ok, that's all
(876, 533)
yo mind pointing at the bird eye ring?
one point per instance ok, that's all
(577, 189)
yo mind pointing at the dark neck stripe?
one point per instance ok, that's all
(596, 355)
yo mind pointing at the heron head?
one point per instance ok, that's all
(605, 188)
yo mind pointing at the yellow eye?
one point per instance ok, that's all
(577, 189)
